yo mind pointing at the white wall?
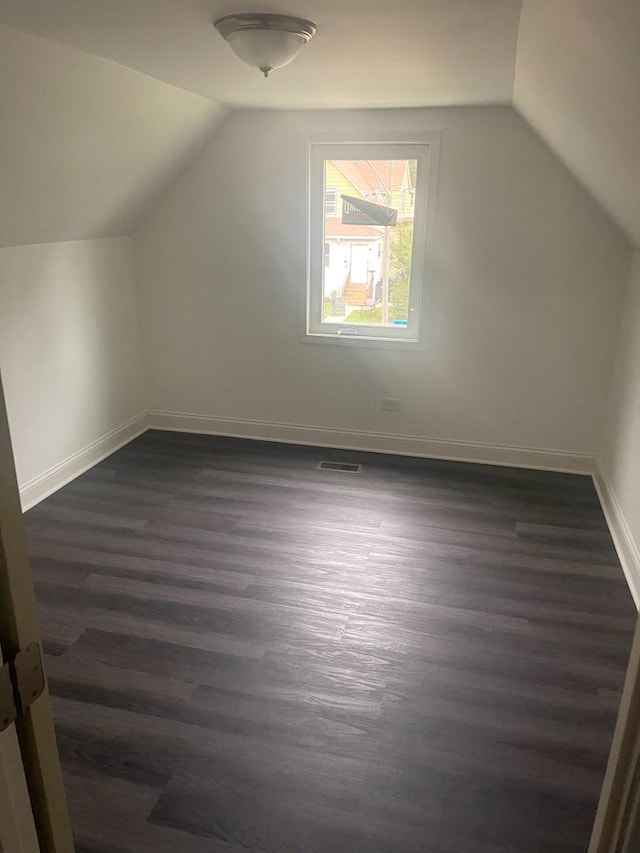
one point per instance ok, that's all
(576, 81)
(68, 348)
(620, 461)
(86, 146)
(524, 298)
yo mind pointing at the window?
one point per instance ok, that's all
(330, 201)
(368, 218)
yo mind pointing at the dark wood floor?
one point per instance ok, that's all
(249, 654)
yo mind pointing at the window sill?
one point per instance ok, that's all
(361, 341)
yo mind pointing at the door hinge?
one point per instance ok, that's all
(21, 682)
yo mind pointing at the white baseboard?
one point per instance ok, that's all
(403, 445)
(40, 487)
(37, 489)
(625, 544)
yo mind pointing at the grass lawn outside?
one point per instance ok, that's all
(364, 315)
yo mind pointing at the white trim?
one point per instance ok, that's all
(37, 489)
(626, 546)
(423, 147)
(40, 487)
(402, 445)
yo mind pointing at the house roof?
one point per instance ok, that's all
(370, 176)
(333, 227)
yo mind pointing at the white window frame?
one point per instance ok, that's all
(424, 149)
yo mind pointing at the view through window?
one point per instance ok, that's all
(368, 247)
(367, 232)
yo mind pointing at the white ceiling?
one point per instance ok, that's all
(107, 139)
(86, 145)
(578, 84)
(365, 53)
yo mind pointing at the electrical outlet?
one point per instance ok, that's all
(389, 404)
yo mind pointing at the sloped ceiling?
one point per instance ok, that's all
(577, 83)
(365, 53)
(86, 145)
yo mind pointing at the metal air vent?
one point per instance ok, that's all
(340, 466)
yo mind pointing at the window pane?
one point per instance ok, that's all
(368, 247)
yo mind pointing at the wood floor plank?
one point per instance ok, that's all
(249, 655)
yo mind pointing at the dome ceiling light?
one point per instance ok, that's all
(264, 40)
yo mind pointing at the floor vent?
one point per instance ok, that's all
(340, 466)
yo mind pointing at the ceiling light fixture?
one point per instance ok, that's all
(265, 41)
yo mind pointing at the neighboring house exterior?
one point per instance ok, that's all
(353, 253)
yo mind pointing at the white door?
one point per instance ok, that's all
(17, 828)
(28, 748)
(359, 264)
